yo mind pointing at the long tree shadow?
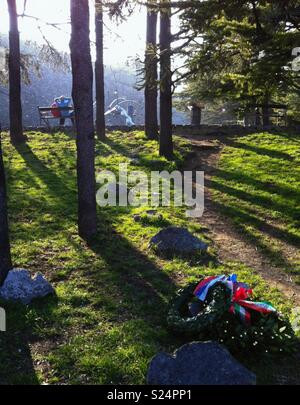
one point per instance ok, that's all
(54, 183)
(264, 202)
(102, 148)
(130, 289)
(242, 220)
(241, 177)
(120, 148)
(260, 150)
(133, 273)
(129, 151)
(16, 363)
(291, 134)
(56, 194)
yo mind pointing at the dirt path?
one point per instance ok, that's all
(230, 244)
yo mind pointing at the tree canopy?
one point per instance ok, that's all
(242, 50)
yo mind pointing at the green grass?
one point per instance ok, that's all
(257, 185)
(109, 316)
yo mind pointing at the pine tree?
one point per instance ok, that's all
(99, 72)
(166, 141)
(151, 76)
(82, 72)
(14, 63)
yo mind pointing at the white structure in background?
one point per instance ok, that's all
(2, 59)
(120, 112)
(296, 60)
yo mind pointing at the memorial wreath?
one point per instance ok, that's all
(220, 308)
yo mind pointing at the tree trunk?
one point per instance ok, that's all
(82, 72)
(151, 120)
(166, 141)
(196, 116)
(265, 111)
(99, 72)
(257, 117)
(14, 63)
(265, 115)
(5, 258)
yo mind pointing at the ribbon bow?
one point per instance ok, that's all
(240, 292)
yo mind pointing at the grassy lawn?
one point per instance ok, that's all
(258, 186)
(109, 316)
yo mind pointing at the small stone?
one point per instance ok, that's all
(134, 161)
(137, 218)
(154, 214)
(177, 240)
(151, 212)
(19, 286)
(198, 363)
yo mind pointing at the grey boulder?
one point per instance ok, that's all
(198, 363)
(177, 240)
(19, 286)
